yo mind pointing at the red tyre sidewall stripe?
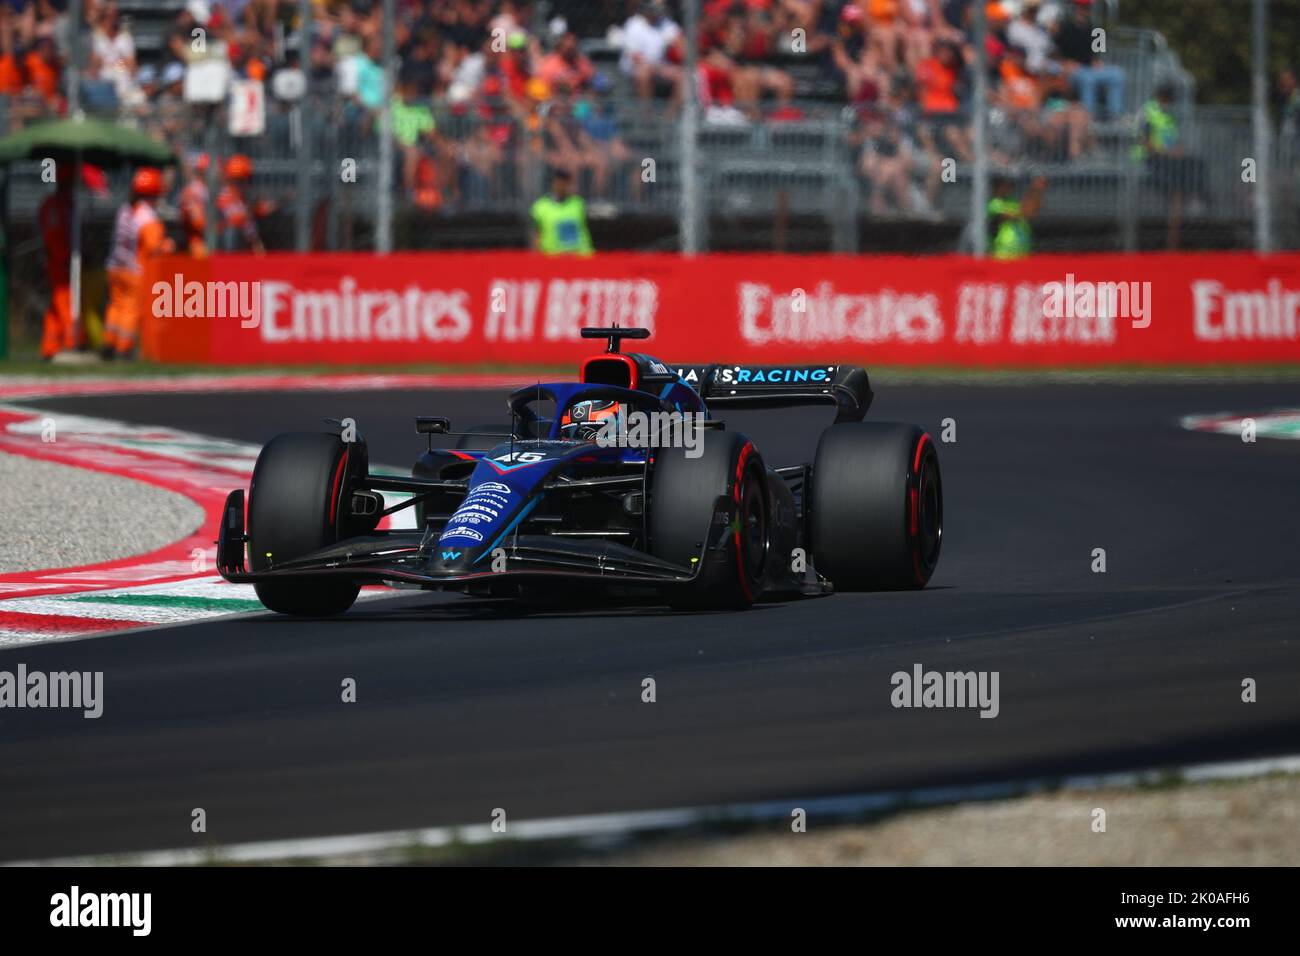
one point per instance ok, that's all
(920, 447)
(334, 488)
(740, 479)
(916, 507)
(916, 483)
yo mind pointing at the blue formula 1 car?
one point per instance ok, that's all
(624, 480)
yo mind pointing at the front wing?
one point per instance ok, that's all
(405, 558)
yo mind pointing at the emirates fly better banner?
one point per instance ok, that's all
(520, 308)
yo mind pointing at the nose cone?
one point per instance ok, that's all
(484, 513)
(453, 557)
(467, 533)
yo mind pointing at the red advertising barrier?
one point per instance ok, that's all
(519, 308)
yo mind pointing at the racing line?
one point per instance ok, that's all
(466, 705)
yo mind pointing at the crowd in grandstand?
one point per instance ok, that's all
(483, 87)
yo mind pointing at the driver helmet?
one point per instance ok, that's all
(585, 419)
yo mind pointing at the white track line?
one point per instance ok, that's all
(621, 825)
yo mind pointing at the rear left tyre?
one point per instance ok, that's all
(294, 505)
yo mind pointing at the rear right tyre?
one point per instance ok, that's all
(877, 506)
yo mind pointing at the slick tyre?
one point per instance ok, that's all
(877, 506)
(293, 509)
(684, 493)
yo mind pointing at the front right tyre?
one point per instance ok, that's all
(294, 504)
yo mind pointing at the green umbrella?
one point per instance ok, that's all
(92, 140)
(79, 139)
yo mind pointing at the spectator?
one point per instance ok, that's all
(925, 160)
(923, 25)
(790, 15)
(507, 19)
(714, 90)
(171, 83)
(20, 19)
(886, 161)
(470, 70)
(12, 81)
(368, 68)
(601, 125)
(884, 35)
(484, 153)
(939, 80)
(415, 131)
(1288, 98)
(322, 66)
(147, 87)
(740, 43)
(44, 72)
(494, 133)
(566, 64)
(893, 152)
(560, 219)
(1025, 32)
(516, 67)
(166, 112)
(647, 38)
(1019, 91)
(247, 59)
(570, 147)
(421, 60)
(463, 24)
(51, 21)
(1090, 76)
(112, 56)
(1288, 107)
(1067, 127)
(179, 38)
(854, 60)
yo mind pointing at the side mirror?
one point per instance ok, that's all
(432, 426)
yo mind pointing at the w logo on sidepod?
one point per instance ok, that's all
(450, 555)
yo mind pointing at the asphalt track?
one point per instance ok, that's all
(465, 706)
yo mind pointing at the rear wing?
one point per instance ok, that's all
(778, 386)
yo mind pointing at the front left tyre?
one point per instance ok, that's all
(684, 497)
(294, 505)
